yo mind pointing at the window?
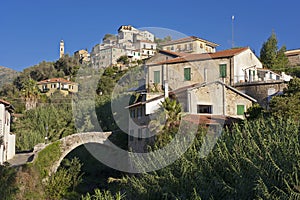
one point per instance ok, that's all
(240, 109)
(144, 46)
(223, 70)
(156, 76)
(147, 135)
(139, 134)
(132, 113)
(143, 110)
(131, 135)
(187, 74)
(191, 46)
(151, 46)
(205, 75)
(207, 109)
(139, 112)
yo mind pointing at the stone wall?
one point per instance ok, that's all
(261, 91)
(294, 60)
(232, 100)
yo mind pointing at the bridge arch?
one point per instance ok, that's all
(71, 142)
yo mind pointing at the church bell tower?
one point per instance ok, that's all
(61, 49)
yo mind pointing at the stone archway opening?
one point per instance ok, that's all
(95, 173)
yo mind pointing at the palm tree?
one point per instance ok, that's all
(166, 120)
(30, 93)
(172, 110)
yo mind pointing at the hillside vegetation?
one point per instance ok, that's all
(7, 75)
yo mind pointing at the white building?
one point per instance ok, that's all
(129, 41)
(7, 140)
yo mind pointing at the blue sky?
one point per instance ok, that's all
(31, 30)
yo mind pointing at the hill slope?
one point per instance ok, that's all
(7, 75)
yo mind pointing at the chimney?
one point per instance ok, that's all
(166, 89)
(166, 84)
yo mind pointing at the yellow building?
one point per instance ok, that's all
(190, 44)
(62, 85)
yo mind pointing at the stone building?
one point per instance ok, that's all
(294, 57)
(206, 100)
(7, 140)
(230, 66)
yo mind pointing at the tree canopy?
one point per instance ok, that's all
(271, 56)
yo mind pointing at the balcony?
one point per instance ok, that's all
(44, 90)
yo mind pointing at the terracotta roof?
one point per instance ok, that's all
(174, 53)
(190, 87)
(205, 56)
(8, 105)
(227, 86)
(4, 102)
(55, 80)
(209, 119)
(292, 52)
(188, 39)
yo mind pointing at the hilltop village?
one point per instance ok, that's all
(163, 83)
(206, 82)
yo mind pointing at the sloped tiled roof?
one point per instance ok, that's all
(8, 105)
(191, 87)
(4, 102)
(55, 80)
(227, 86)
(206, 56)
(174, 53)
(189, 39)
(209, 119)
(292, 52)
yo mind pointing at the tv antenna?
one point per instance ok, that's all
(232, 31)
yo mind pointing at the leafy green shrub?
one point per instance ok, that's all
(47, 157)
(103, 195)
(257, 159)
(8, 186)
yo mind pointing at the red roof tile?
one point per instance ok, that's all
(292, 52)
(188, 39)
(174, 53)
(55, 80)
(207, 119)
(205, 56)
(4, 102)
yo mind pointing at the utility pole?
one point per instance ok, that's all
(232, 31)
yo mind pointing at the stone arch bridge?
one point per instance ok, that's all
(71, 142)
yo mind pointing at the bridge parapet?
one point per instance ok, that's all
(70, 142)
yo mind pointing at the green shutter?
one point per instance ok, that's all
(156, 76)
(187, 74)
(223, 70)
(240, 109)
